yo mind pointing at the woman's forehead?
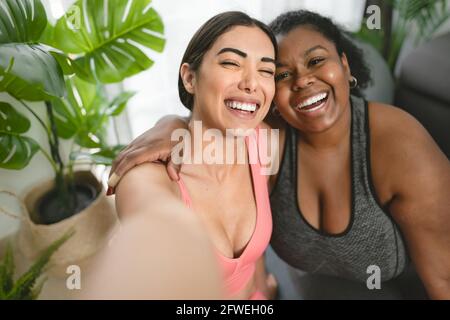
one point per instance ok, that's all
(245, 38)
(303, 39)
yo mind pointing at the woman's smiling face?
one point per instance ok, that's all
(234, 86)
(312, 80)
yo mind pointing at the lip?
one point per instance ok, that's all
(245, 100)
(302, 99)
(319, 110)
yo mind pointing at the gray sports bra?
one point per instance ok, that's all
(371, 238)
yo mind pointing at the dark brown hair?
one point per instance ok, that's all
(204, 39)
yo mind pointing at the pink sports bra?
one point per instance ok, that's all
(237, 272)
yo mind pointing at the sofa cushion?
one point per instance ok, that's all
(427, 69)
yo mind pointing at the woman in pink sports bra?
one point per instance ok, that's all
(238, 271)
(227, 80)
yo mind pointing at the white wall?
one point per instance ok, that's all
(17, 181)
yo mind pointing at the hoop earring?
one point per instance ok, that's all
(353, 82)
(275, 111)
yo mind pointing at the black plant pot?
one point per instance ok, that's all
(93, 225)
(49, 208)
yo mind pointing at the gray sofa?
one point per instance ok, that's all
(424, 88)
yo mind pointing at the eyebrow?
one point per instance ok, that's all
(279, 64)
(314, 48)
(243, 54)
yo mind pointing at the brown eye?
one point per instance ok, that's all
(281, 76)
(315, 61)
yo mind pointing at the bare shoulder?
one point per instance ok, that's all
(143, 186)
(146, 178)
(401, 146)
(149, 174)
(390, 121)
(398, 133)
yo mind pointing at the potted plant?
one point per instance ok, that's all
(26, 287)
(399, 19)
(67, 66)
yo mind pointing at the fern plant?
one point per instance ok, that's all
(27, 286)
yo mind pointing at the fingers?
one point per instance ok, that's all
(123, 153)
(136, 144)
(173, 171)
(113, 180)
(132, 159)
(120, 166)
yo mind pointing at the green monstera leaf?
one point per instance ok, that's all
(71, 113)
(29, 72)
(21, 21)
(106, 35)
(84, 113)
(105, 156)
(16, 150)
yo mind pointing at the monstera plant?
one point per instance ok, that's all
(67, 66)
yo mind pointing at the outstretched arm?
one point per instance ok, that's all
(154, 257)
(161, 250)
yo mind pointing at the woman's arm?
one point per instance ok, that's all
(421, 207)
(161, 250)
(418, 176)
(153, 145)
(154, 256)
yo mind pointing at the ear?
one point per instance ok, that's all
(188, 77)
(345, 64)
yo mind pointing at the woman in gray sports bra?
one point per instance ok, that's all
(360, 184)
(362, 188)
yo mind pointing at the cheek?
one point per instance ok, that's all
(334, 75)
(282, 95)
(269, 90)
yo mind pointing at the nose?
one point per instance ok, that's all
(248, 82)
(303, 81)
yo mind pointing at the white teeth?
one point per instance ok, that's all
(312, 100)
(241, 106)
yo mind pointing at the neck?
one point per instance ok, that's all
(213, 155)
